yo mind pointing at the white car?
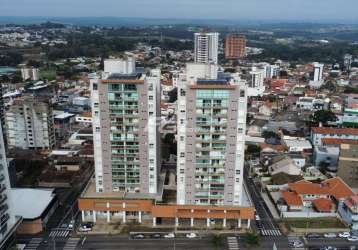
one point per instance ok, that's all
(169, 236)
(85, 229)
(297, 244)
(191, 235)
(344, 235)
(352, 238)
(330, 235)
(257, 217)
(71, 225)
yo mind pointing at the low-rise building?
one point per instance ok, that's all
(326, 156)
(297, 144)
(319, 133)
(348, 210)
(321, 197)
(348, 164)
(35, 214)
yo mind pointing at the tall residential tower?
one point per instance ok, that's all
(206, 47)
(211, 137)
(235, 46)
(125, 107)
(8, 220)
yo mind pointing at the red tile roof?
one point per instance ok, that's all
(338, 131)
(334, 187)
(292, 199)
(352, 201)
(334, 141)
(323, 205)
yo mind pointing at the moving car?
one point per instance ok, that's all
(352, 238)
(86, 227)
(191, 235)
(330, 235)
(344, 235)
(169, 236)
(296, 244)
(71, 225)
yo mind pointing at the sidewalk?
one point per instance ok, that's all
(270, 205)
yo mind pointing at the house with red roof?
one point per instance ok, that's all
(322, 197)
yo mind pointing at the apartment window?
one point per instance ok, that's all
(98, 129)
(182, 154)
(150, 97)
(95, 86)
(242, 93)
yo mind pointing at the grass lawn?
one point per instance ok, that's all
(48, 74)
(315, 223)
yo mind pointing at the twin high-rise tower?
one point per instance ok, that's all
(211, 123)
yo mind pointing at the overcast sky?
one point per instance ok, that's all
(205, 9)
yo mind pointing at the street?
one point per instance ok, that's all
(266, 224)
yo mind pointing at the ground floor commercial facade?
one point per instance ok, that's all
(144, 211)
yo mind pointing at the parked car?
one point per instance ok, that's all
(352, 238)
(155, 236)
(191, 235)
(329, 248)
(138, 236)
(330, 235)
(344, 235)
(257, 217)
(169, 236)
(313, 236)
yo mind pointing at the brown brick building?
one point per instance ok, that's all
(235, 46)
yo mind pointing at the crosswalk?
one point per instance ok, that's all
(270, 232)
(71, 244)
(58, 233)
(33, 244)
(232, 243)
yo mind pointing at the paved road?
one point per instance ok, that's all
(266, 225)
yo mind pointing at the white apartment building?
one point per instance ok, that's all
(8, 220)
(119, 66)
(256, 85)
(211, 137)
(206, 47)
(30, 73)
(29, 124)
(317, 80)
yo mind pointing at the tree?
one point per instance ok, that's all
(169, 139)
(270, 134)
(173, 95)
(217, 241)
(252, 239)
(253, 149)
(323, 116)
